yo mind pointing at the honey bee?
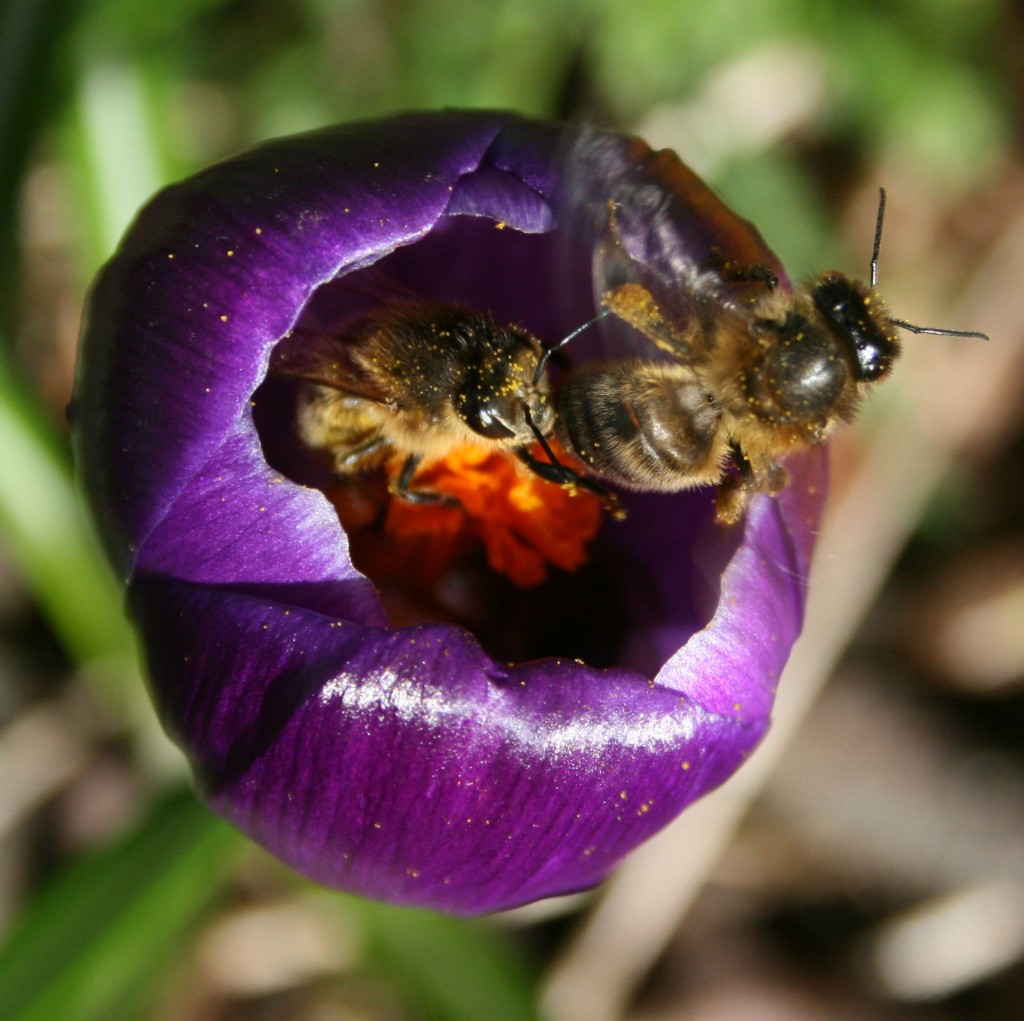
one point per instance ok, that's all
(754, 371)
(418, 378)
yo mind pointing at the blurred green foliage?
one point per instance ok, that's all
(97, 940)
(114, 98)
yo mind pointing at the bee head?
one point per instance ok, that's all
(817, 350)
(853, 314)
(500, 389)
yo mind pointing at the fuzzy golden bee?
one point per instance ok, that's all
(416, 379)
(753, 371)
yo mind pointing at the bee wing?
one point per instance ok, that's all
(379, 287)
(324, 359)
(667, 251)
(339, 304)
(665, 314)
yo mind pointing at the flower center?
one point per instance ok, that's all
(487, 502)
(512, 560)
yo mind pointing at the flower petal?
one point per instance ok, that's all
(407, 765)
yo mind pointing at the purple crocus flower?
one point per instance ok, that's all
(414, 762)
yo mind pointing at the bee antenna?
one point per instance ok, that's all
(937, 330)
(542, 364)
(902, 323)
(879, 218)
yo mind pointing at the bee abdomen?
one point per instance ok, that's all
(641, 425)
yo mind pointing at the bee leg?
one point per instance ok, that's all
(562, 475)
(354, 459)
(553, 470)
(730, 503)
(400, 487)
(734, 491)
(758, 273)
(743, 466)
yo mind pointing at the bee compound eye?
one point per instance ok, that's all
(875, 358)
(484, 417)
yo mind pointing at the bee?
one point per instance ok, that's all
(418, 378)
(754, 370)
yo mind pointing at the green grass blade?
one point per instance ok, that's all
(45, 526)
(449, 970)
(94, 945)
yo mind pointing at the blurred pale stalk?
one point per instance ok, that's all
(937, 948)
(120, 148)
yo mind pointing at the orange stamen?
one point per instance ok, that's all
(524, 523)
